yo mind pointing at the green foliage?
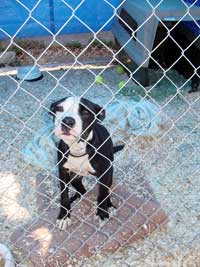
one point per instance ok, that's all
(100, 43)
(1, 47)
(27, 44)
(73, 44)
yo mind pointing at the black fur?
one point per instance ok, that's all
(101, 155)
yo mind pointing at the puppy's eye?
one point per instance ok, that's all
(54, 109)
(58, 109)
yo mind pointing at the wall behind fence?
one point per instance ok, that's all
(54, 16)
(192, 25)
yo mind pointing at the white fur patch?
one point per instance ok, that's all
(63, 223)
(102, 222)
(79, 148)
(70, 109)
(80, 165)
(113, 211)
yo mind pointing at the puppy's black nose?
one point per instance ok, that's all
(68, 121)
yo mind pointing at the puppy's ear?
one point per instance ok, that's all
(96, 109)
(101, 114)
(52, 109)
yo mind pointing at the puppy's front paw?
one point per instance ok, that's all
(103, 214)
(103, 217)
(62, 224)
(113, 211)
(103, 222)
(74, 198)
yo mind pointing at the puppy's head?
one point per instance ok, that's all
(74, 118)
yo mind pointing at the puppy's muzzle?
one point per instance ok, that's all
(67, 124)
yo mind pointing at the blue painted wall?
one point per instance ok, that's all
(55, 15)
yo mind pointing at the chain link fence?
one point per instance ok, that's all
(146, 78)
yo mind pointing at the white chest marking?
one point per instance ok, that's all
(80, 165)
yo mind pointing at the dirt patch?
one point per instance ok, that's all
(27, 51)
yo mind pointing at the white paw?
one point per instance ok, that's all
(102, 222)
(63, 223)
(113, 211)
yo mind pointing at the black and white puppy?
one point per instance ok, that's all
(85, 148)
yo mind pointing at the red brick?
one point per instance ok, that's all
(136, 218)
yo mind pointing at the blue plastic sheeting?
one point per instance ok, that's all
(55, 16)
(192, 26)
(197, 2)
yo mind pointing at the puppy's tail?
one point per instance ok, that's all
(118, 148)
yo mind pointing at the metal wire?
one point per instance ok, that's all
(153, 252)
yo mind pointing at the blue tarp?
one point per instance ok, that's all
(46, 17)
(191, 25)
(56, 16)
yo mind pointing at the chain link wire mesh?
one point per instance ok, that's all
(169, 160)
